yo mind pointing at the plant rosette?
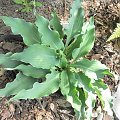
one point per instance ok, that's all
(57, 54)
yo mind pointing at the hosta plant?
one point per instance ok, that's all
(57, 54)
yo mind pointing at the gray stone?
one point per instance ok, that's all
(116, 102)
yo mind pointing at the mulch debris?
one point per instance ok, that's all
(55, 107)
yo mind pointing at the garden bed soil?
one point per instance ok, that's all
(55, 106)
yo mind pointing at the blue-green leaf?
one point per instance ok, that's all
(87, 42)
(73, 98)
(55, 22)
(39, 90)
(64, 84)
(72, 78)
(100, 84)
(84, 82)
(76, 21)
(49, 37)
(82, 98)
(104, 94)
(31, 71)
(38, 56)
(27, 30)
(21, 82)
(75, 44)
(90, 102)
(93, 69)
(63, 60)
(7, 62)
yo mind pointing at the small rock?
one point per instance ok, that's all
(116, 101)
